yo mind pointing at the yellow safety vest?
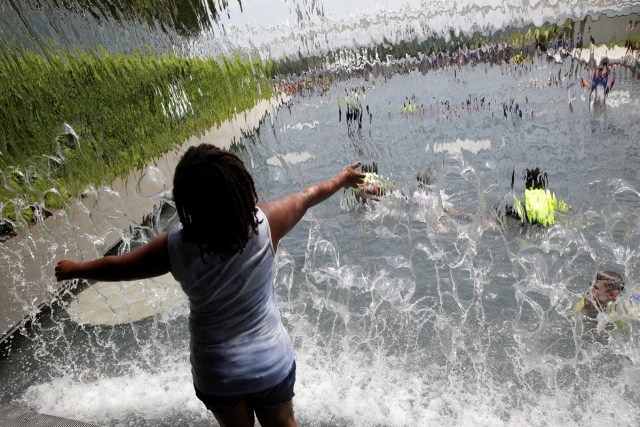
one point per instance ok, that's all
(540, 206)
(618, 310)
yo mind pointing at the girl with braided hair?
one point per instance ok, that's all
(242, 359)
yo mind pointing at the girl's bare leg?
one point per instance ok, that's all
(280, 416)
(240, 416)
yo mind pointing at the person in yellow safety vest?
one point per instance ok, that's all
(540, 204)
(519, 58)
(603, 296)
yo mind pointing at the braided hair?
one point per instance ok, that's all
(216, 200)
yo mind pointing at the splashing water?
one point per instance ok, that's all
(400, 312)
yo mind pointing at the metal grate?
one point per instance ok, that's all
(16, 416)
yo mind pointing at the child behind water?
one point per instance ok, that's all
(539, 204)
(429, 197)
(602, 294)
(374, 185)
(242, 359)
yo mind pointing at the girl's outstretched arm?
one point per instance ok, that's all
(149, 260)
(283, 214)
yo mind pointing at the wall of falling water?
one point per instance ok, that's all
(401, 312)
(404, 314)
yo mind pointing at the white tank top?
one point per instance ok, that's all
(238, 342)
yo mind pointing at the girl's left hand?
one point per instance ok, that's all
(65, 269)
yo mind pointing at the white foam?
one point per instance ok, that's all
(356, 391)
(141, 394)
(343, 388)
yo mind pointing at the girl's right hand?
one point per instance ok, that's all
(350, 177)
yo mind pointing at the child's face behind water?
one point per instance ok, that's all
(601, 294)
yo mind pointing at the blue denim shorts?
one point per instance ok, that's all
(269, 398)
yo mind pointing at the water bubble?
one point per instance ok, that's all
(67, 142)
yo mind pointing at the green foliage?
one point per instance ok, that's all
(75, 118)
(187, 17)
(26, 214)
(635, 41)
